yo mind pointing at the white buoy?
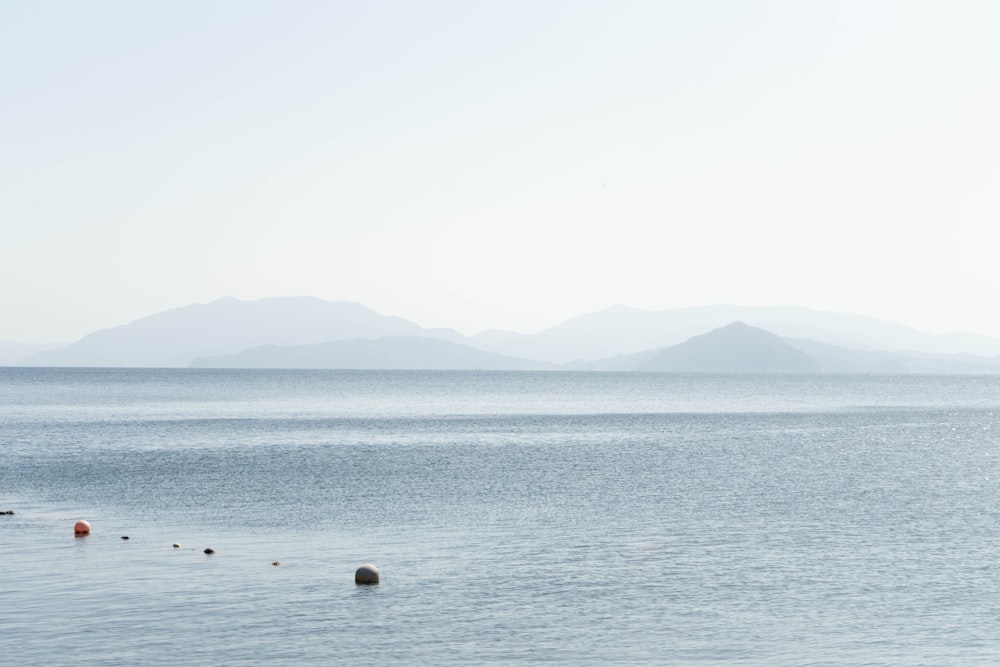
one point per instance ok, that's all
(81, 527)
(366, 574)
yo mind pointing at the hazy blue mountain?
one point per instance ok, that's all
(741, 348)
(967, 343)
(622, 330)
(618, 338)
(407, 352)
(735, 348)
(922, 362)
(836, 359)
(226, 326)
(839, 359)
(621, 362)
(14, 353)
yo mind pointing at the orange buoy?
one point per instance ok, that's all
(81, 527)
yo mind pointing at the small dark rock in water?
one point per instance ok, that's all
(124, 537)
(210, 551)
(366, 574)
(177, 546)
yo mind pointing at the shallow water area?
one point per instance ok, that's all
(579, 518)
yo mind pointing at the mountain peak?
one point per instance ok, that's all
(734, 348)
(226, 326)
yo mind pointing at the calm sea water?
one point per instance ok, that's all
(561, 518)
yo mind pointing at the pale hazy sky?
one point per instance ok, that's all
(499, 164)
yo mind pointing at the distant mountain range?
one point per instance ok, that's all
(393, 352)
(13, 353)
(623, 330)
(304, 332)
(175, 337)
(740, 348)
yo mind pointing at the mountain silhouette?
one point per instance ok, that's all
(735, 348)
(618, 338)
(622, 330)
(738, 347)
(175, 337)
(401, 353)
(12, 353)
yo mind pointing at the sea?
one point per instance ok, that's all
(550, 518)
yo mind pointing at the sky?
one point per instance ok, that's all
(503, 165)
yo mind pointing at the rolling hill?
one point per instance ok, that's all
(175, 337)
(394, 352)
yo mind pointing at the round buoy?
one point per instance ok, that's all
(81, 527)
(366, 574)
(210, 551)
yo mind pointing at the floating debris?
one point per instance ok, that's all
(275, 563)
(124, 537)
(210, 551)
(176, 546)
